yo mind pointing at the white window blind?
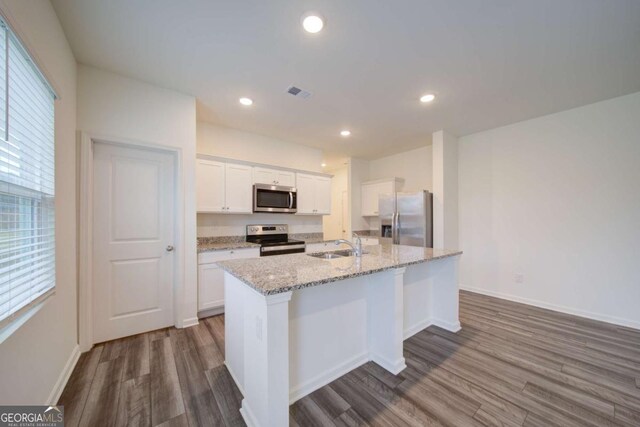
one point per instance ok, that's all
(27, 239)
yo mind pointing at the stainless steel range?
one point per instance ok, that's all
(273, 239)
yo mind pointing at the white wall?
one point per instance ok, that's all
(113, 105)
(556, 200)
(414, 166)
(332, 225)
(33, 358)
(212, 225)
(240, 145)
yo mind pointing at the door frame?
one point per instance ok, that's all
(85, 230)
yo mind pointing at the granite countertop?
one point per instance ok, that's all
(319, 237)
(224, 243)
(222, 246)
(283, 273)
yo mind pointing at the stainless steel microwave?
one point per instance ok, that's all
(274, 198)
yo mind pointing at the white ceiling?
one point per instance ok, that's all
(491, 62)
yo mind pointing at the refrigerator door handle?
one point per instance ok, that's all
(394, 228)
(397, 227)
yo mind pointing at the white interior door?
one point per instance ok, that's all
(133, 237)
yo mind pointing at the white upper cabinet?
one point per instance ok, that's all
(223, 187)
(210, 186)
(227, 187)
(323, 195)
(273, 177)
(238, 191)
(372, 190)
(306, 186)
(314, 194)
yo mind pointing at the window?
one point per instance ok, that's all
(27, 241)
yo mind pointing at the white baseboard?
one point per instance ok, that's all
(412, 330)
(394, 367)
(234, 377)
(60, 384)
(210, 312)
(247, 415)
(555, 307)
(192, 321)
(326, 377)
(449, 326)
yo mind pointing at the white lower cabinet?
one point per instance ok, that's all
(211, 276)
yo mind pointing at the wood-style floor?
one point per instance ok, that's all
(511, 365)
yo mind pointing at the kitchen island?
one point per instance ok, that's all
(294, 323)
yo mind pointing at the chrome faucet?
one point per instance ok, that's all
(357, 248)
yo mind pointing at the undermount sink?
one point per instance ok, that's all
(333, 254)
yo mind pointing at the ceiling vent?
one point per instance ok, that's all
(297, 92)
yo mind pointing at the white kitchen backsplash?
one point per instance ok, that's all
(211, 225)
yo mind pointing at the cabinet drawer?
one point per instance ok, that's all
(215, 256)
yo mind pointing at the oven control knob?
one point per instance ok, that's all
(281, 228)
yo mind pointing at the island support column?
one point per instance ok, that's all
(266, 359)
(385, 319)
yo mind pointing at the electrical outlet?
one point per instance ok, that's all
(519, 278)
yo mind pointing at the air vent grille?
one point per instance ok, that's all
(297, 92)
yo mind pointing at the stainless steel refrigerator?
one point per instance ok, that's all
(407, 218)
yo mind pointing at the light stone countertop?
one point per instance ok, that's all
(283, 273)
(225, 246)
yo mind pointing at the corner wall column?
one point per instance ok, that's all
(385, 320)
(445, 191)
(266, 359)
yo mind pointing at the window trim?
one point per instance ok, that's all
(12, 323)
(15, 320)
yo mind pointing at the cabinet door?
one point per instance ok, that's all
(323, 195)
(239, 194)
(264, 176)
(210, 186)
(369, 200)
(286, 178)
(306, 185)
(210, 286)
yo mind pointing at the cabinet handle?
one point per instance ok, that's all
(231, 252)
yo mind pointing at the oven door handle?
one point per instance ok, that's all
(290, 199)
(282, 248)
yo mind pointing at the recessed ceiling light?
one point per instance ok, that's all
(323, 164)
(427, 98)
(246, 101)
(312, 23)
(345, 132)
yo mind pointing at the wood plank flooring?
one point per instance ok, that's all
(510, 365)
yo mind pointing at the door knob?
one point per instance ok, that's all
(170, 248)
